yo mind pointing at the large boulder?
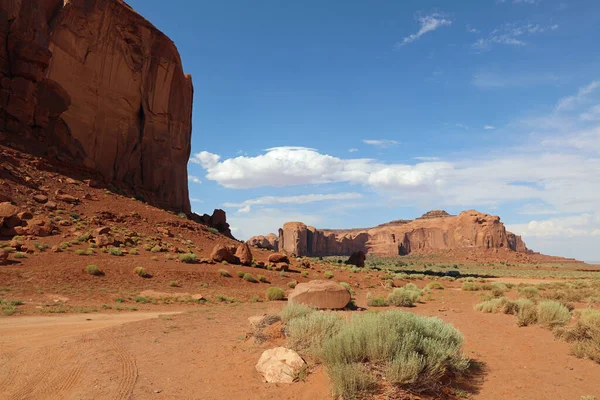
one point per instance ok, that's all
(244, 254)
(278, 258)
(8, 215)
(320, 294)
(280, 365)
(222, 253)
(357, 258)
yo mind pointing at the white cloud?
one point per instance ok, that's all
(196, 200)
(577, 225)
(266, 220)
(352, 150)
(244, 210)
(300, 199)
(194, 179)
(463, 126)
(383, 143)
(206, 159)
(472, 30)
(289, 166)
(512, 34)
(429, 23)
(569, 102)
(488, 127)
(426, 158)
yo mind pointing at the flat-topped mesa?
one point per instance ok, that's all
(437, 230)
(102, 88)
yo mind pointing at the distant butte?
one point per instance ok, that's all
(433, 232)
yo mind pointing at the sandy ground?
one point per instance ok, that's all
(204, 353)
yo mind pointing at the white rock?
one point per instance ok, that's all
(279, 365)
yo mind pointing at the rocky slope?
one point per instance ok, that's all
(100, 86)
(434, 231)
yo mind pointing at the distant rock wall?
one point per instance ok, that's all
(434, 231)
(94, 79)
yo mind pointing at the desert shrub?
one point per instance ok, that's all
(240, 274)
(213, 230)
(350, 381)
(292, 284)
(93, 269)
(526, 313)
(275, 293)
(308, 332)
(551, 313)
(584, 335)
(134, 252)
(529, 292)
(494, 306)
(261, 278)
(84, 238)
(41, 246)
(328, 274)
(469, 286)
(248, 277)
(188, 258)
(434, 285)
(304, 273)
(115, 251)
(140, 271)
(141, 299)
(346, 285)
(225, 273)
(224, 299)
(294, 310)
(156, 249)
(588, 398)
(20, 254)
(174, 283)
(80, 252)
(413, 351)
(376, 301)
(403, 297)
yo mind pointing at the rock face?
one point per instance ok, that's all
(96, 80)
(217, 220)
(435, 230)
(320, 294)
(279, 365)
(357, 258)
(269, 242)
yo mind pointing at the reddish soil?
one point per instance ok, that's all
(204, 352)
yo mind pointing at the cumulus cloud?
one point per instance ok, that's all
(300, 199)
(194, 179)
(352, 150)
(428, 23)
(488, 127)
(288, 166)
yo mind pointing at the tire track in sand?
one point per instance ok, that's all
(128, 372)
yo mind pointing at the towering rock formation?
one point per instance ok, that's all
(435, 230)
(94, 79)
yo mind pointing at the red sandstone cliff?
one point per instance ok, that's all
(434, 231)
(96, 81)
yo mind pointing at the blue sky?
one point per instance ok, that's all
(353, 113)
